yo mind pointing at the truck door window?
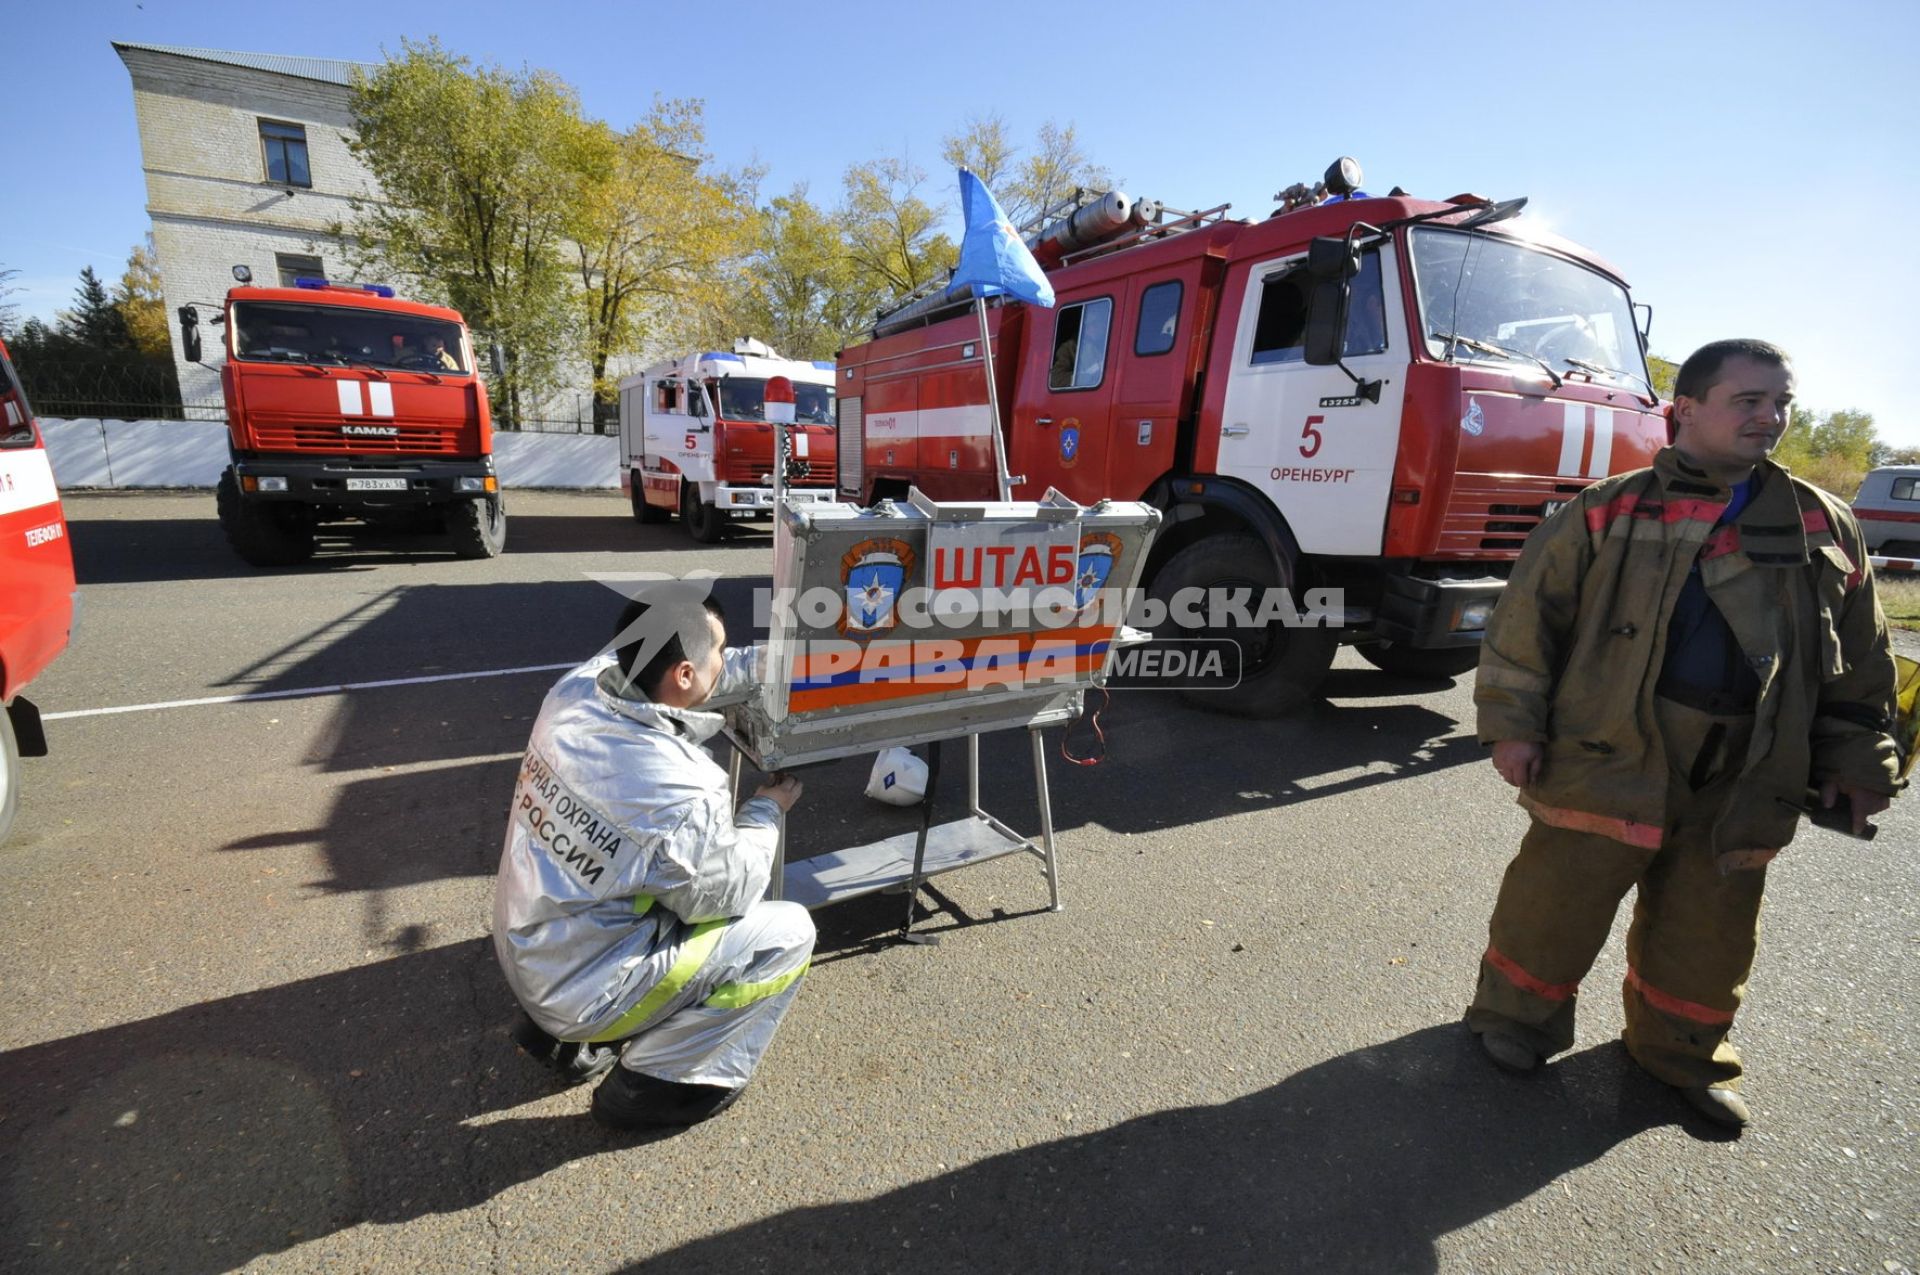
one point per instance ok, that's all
(1280, 331)
(1906, 489)
(1080, 345)
(696, 399)
(16, 418)
(1159, 318)
(666, 397)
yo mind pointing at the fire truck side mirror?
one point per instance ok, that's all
(1330, 264)
(190, 333)
(497, 360)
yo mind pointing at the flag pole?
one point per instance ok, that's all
(993, 402)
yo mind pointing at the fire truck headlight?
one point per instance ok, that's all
(1473, 617)
(273, 484)
(475, 483)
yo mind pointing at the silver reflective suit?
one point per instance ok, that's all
(630, 900)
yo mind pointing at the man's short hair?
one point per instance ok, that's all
(1701, 372)
(689, 636)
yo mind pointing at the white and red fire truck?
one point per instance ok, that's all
(1377, 395)
(37, 592)
(694, 437)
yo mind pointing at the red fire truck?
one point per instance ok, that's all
(36, 583)
(345, 403)
(1380, 396)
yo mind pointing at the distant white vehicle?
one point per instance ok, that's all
(694, 438)
(1888, 508)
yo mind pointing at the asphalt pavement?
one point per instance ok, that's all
(252, 1017)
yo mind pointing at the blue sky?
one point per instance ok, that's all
(1745, 166)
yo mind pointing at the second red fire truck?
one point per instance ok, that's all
(1380, 396)
(347, 404)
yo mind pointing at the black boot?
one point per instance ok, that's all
(573, 1061)
(628, 1100)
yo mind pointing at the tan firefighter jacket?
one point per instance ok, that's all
(1576, 645)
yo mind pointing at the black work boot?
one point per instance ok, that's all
(628, 1100)
(573, 1061)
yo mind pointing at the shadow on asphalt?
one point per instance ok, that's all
(110, 550)
(202, 1139)
(1359, 1163)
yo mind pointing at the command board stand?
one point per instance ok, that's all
(903, 862)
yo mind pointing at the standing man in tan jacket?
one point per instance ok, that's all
(1681, 652)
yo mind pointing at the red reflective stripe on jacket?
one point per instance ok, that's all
(1667, 1003)
(1630, 505)
(1527, 982)
(1815, 520)
(1723, 541)
(1645, 836)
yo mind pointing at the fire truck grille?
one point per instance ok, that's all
(326, 438)
(1493, 513)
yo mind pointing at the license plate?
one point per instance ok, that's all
(1551, 508)
(376, 484)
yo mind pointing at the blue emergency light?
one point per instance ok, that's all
(377, 289)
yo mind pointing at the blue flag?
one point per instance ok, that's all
(992, 258)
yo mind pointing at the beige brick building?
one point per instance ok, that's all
(246, 163)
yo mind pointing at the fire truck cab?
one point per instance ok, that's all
(38, 599)
(345, 403)
(1381, 396)
(694, 437)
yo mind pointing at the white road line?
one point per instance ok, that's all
(304, 692)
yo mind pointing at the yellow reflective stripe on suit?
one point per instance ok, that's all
(740, 995)
(699, 946)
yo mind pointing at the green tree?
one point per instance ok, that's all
(481, 171)
(892, 235)
(1663, 371)
(9, 312)
(797, 289)
(1833, 451)
(1026, 185)
(653, 234)
(94, 321)
(142, 303)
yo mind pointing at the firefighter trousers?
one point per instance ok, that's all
(1691, 944)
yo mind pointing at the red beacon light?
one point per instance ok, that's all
(779, 400)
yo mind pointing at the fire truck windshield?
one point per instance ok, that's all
(744, 398)
(1486, 297)
(273, 332)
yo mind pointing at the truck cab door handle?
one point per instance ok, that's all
(1043, 420)
(1233, 431)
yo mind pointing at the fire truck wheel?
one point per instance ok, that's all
(9, 774)
(643, 513)
(479, 527)
(263, 535)
(1280, 667)
(1426, 663)
(703, 522)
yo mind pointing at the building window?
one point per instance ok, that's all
(285, 146)
(295, 267)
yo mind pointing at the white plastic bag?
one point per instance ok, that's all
(899, 778)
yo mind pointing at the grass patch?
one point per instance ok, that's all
(1900, 599)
